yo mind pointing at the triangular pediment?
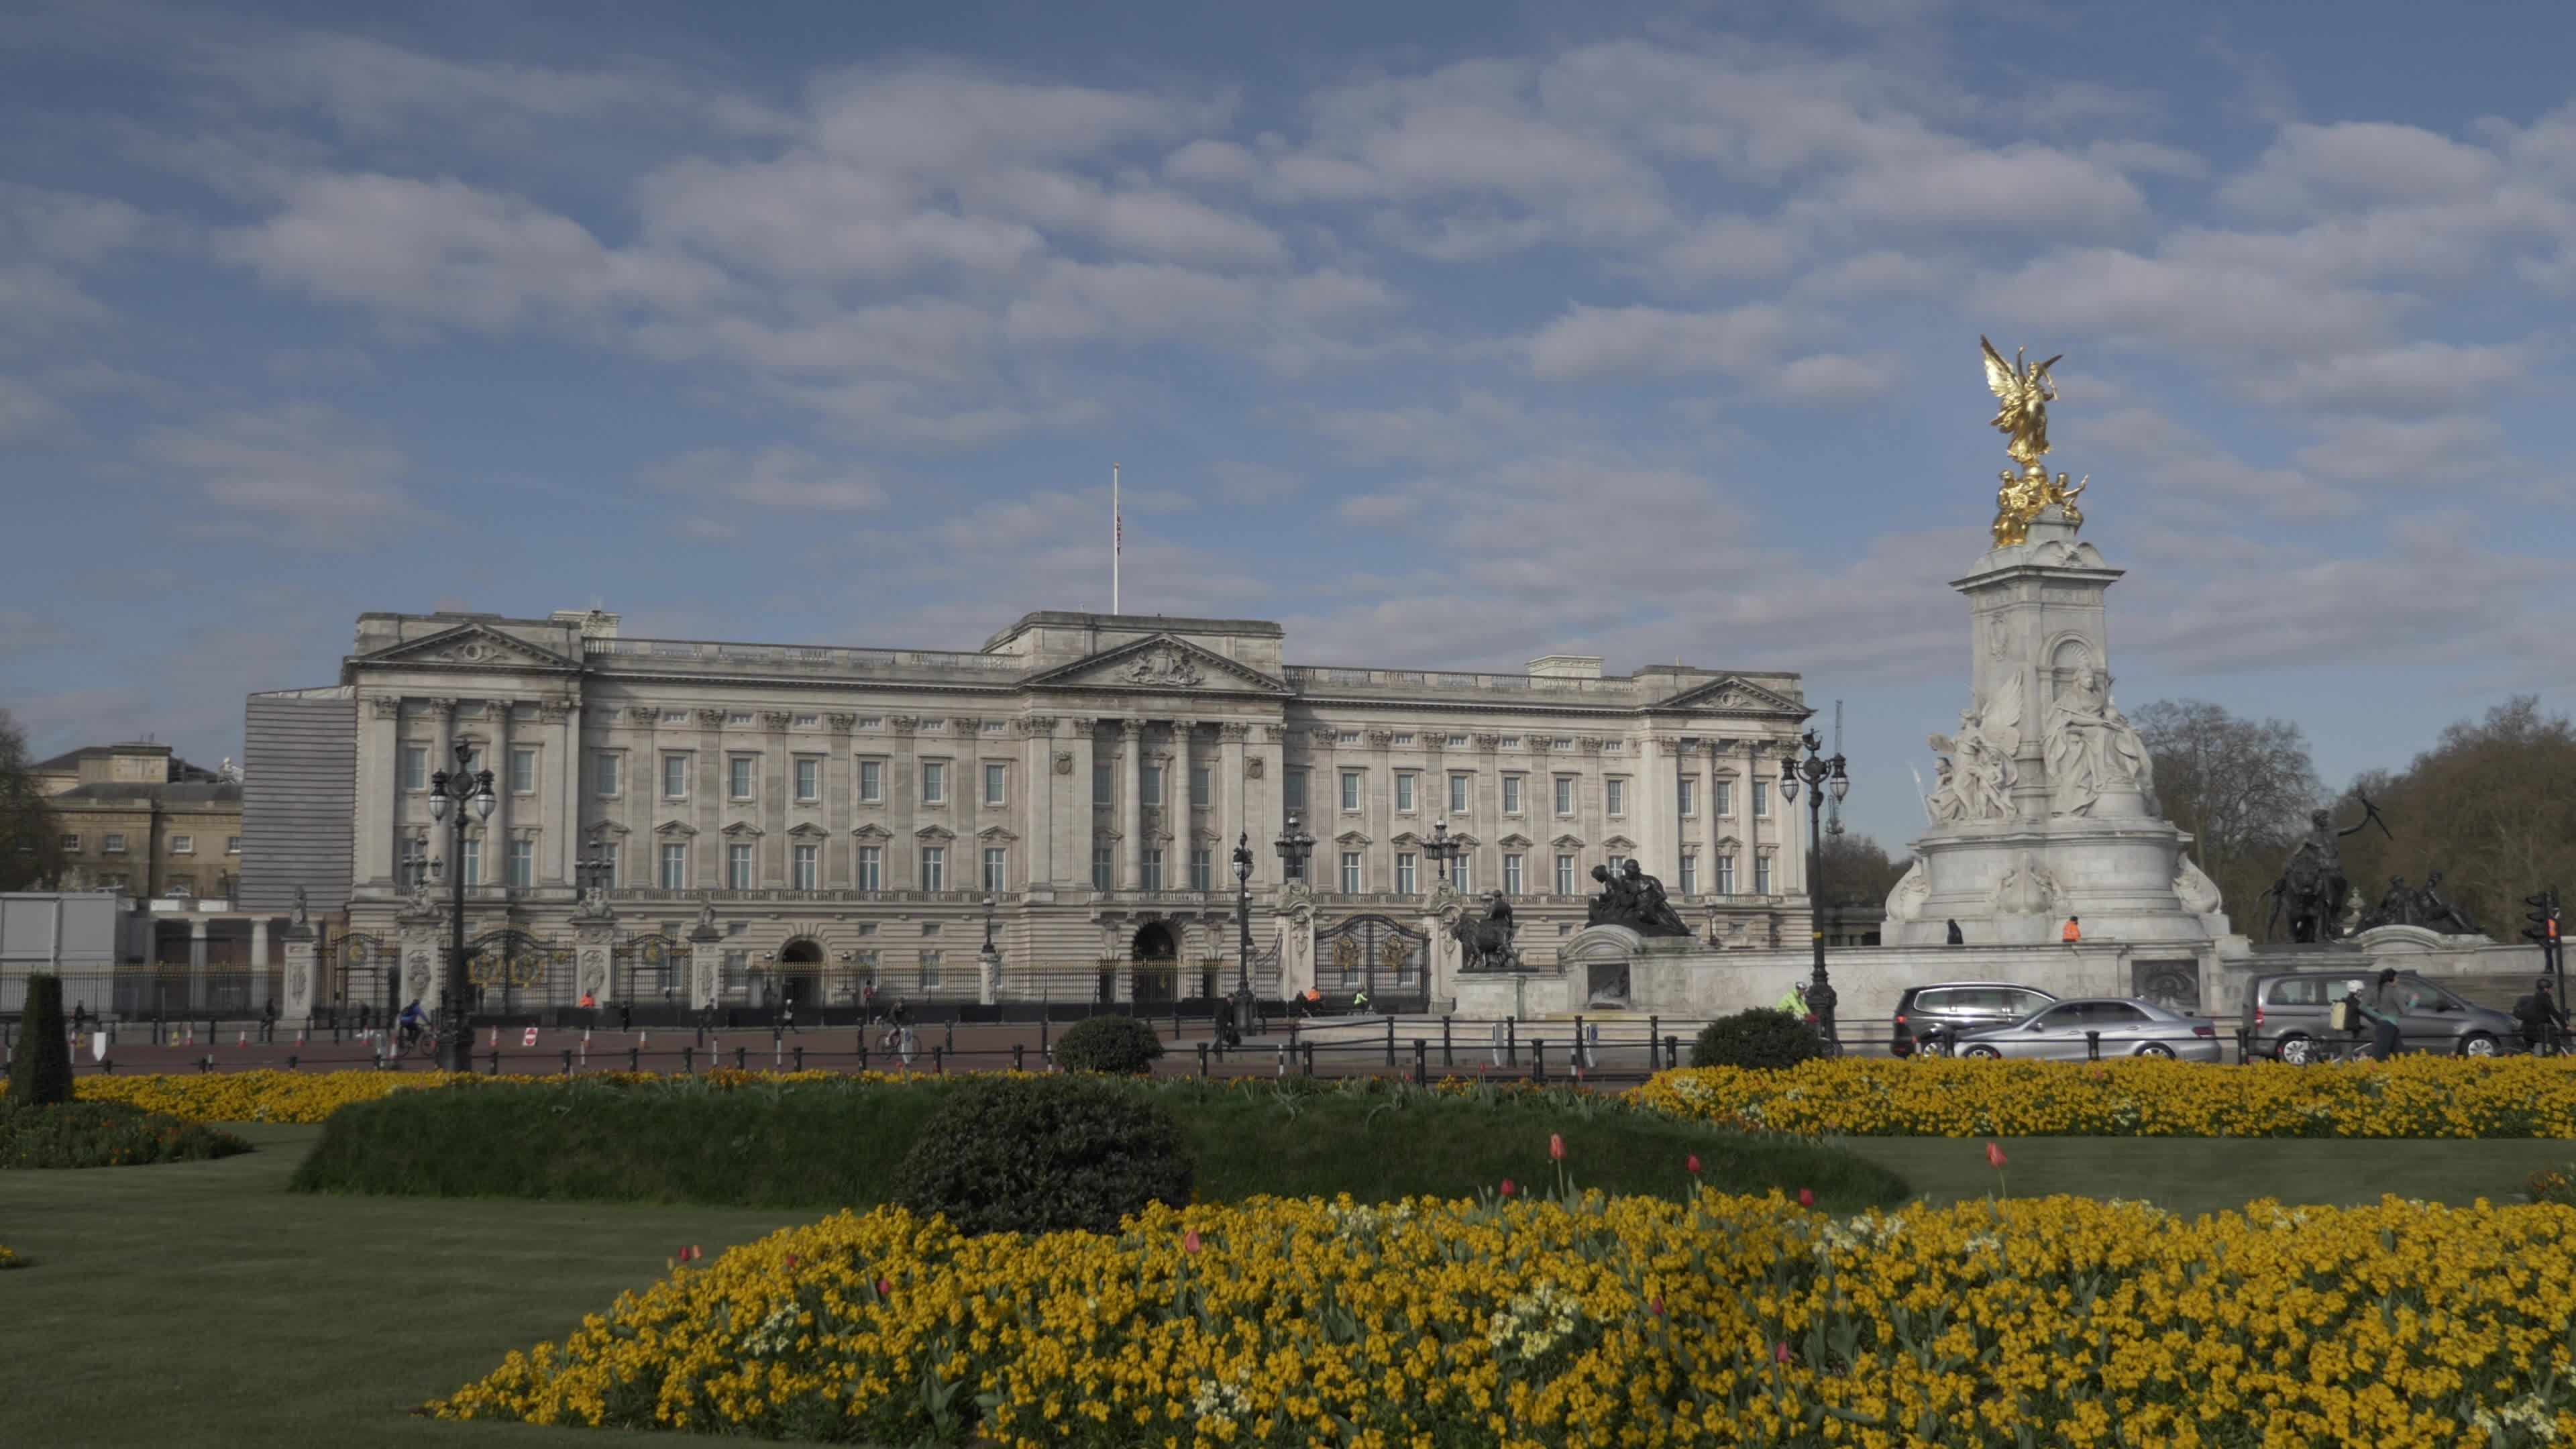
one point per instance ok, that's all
(1568, 842)
(675, 827)
(807, 830)
(742, 829)
(1619, 843)
(1516, 841)
(873, 832)
(1160, 664)
(603, 829)
(995, 834)
(1730, 695)
(934, 832)
(469, 646)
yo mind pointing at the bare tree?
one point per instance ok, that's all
(31, 840)
(2492, 806)
(1857, 872)
(2240, 786)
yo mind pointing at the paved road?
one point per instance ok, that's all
(1342, 1046)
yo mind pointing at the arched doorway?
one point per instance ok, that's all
(800, 974)
(1156, 952)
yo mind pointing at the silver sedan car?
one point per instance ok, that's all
(2061, 1032)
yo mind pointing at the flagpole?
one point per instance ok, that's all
(1117, 537)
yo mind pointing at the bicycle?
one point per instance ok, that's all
(423, 1045)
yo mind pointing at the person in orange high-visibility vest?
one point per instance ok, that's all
(2073, 932)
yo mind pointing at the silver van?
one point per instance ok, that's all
(1930, 1017)
(2289, 1011)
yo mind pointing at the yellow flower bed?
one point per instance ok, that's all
(1630, 1321)
(2413, 1096)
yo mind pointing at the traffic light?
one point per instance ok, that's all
(2543, 917)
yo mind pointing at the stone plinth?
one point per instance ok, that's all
(300, 946)
(1493, 995)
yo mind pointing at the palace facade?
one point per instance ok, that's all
(847, 816)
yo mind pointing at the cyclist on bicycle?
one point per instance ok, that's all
(413, 1022)
(2541, 1017)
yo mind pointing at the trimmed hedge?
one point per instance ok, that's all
(40, 1067)
(841, 1142)
(1118, 1045)
(104, 1134)
(1761, 1039)
(1043, 1155)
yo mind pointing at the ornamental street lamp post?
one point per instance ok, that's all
(450, 796)
(1247, 1018)
(1443, 848)
(1820, 772)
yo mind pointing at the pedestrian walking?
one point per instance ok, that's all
(2542, 1018)
(268, 1022)
(2385, 1009)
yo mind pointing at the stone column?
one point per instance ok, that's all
(707, 847)
(1036, 806)
(1377, 817)
(496, 758)
(1753, 780)
(593, 939)
(298, 1003)
(706, 965)
(1231, 816)
(379, 791)
(1715, 830)
(1081, 818)
(903, 806)
(1131, 794)
(840, 852)
(560, 821)
(777, 767)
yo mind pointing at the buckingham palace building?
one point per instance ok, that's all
(849, 824)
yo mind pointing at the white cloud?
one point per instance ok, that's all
(2360, 163)
(1428, 436)
(2411, 379)
(2227, 316)
(297, 472)
(782, 478)
(23, 410)
(1596, 342)
(2444, 456)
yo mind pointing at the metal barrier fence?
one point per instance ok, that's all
(1618, 1052)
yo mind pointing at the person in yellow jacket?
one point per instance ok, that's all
(1794, 1000)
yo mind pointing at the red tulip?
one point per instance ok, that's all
(1806, 1197)
(1658, 1307)
(1507, 1187)
(1995, 1156)
(1190, 1242)
(1555, 1148)
(1779, 1353)
(1690, 1164)
(791, 1260)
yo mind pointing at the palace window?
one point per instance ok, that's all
(183, 845)
(1347, 737)
(872, 779)
(113, 843)
(1457, 742)
(995, 777)
(809, 779)
(1761, 801)
(934, 783)
(71, 844)
(1153, 867)
(739, 717)
(1459, 786)
(1350, 872)
(1565, 794)
(1103, 789)
(737, 867)
(473, 862)
(1721, 797)
(1726, 873)
(523, 772)
(1461, 872)
(675, 777)
(1202, 787)
(1153, 785)
(809, 859)
(871, 867)
(1565, 875)
(415, 863)
(415, 767)
(1404, 872)
(1513, 865)
(1292, 792)
(1686, 799)
(1350, 789)
(934, 868)
(675, 867)
(929, 970)
(1762, 875)
(997, 868)
(1202, 868)
(1101, 867)
(1614, 796)
(808, 721)
(1511, 794)
(738, 776)
(521, 864)
(232, 845)
(1690, 872)
(1404, 741)
(603, 774)
(1511, 742)
(1404, 781)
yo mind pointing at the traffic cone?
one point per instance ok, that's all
(245, 1039)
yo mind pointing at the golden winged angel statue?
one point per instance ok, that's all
(2023, 392)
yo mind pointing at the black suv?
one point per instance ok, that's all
(1928, 1018)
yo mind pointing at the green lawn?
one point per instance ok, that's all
(202, 1303)
(2192, 1175)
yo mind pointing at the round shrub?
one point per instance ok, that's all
(1117, 1044)
(1043, 1154)
(1762, 1038)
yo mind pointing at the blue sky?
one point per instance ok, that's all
(1446, 334)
